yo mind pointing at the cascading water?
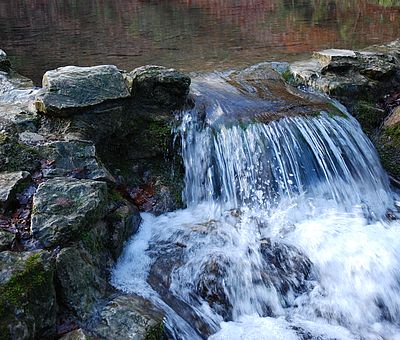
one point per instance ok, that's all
(284, 236)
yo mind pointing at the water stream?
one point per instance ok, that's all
(285, 236)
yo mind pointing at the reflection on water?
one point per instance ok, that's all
(187, 34)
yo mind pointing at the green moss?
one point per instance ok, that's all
(288, 76)
(90, 242)
(114, 196)
(393, 133)
(369, 116)
(156, 332)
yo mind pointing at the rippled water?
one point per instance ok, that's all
(190, 35)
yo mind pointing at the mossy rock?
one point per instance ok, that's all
(369, 116)
(27, 295)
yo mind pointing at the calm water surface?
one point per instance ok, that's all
(189, 35)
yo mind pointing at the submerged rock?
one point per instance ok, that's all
(12, 183)
(63, 208)
(27, 296)
(159, 85)
(68, 89)
(130, 317)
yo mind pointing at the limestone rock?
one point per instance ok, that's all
(129, 317)
(27, 296)
(4, 62)
(74, 158)
(159, 85)
(63, 208)
(68, 89)
(10, 184)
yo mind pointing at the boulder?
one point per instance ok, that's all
(27, 296)
(68, 90)
(159, 85)
(77, 334)
(74, 158)
(12, 183)
(129, 317)
(64, 208)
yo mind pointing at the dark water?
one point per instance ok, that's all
(190, 35)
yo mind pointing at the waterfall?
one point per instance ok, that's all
(285, 234)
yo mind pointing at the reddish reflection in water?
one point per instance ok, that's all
(187, 34)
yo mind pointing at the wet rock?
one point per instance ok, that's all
(12, 183)
(70, 88)
(77, 334)
(159, 85)
(80, 282)
(64, 208)
(6, 239)
(74, 158)
(388, 144)
(31, 138)
(4, 62)
(27, 296)
(129, 317)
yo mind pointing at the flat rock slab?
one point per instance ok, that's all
(63, 208)
(10, 184)
(159, 85)
(68, 89)
(129, 317)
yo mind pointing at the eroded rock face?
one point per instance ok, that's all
(63, 208)
(129, 317)
(10, 184)
(159, 85)
(4, 62)
(70, 88)
(27, 295)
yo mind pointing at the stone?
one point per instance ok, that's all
(4, 62)
(6, 239)
(80, 283)
(129, 317)
(77, 334)
(330, 55)
(159, 85)
(74, 158)
(31, 138)
(64, 208)
(66, 90)
(12, 183)
(27, 295)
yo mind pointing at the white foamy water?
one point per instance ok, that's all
(285, 236)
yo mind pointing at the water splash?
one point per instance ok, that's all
(285, 234)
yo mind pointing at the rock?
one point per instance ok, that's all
(80, 283)
(6, 239)
(64, 208)
(27, 296)
(388, 144)
(77, 334)
(4, 62)
(68, 89)
(12, 183)
(31, 138)
(129, 317)
(159, 85)
(74, 158)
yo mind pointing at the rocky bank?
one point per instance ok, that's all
(83, 154)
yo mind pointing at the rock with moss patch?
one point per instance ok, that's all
(27, 296)
(64, 208)
(130, 317)
(159, 85)
(12, 183)
(388, 144)
(67, 90)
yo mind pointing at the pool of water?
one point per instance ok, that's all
(199, 35)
